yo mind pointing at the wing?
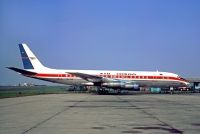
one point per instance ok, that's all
(88, 77)
(91, 78)
(106, 82)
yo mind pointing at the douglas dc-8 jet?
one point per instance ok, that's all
(119, 80)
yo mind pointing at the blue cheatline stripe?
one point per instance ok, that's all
(25, 59)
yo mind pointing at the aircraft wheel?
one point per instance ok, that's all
(171, 89)
(118, 91)
(102, 91)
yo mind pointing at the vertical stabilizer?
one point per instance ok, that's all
(29, 60)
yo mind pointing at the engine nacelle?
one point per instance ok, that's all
(131, 86)
(120, 85)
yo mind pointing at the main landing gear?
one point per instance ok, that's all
(102, 91)
(118, 91)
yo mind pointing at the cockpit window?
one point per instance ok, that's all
(181, 78)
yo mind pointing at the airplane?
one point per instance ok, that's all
(117, 80)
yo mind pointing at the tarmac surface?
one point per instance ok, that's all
(100, 114)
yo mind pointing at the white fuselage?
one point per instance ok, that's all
(142, 78)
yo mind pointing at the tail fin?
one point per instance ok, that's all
(29, 60)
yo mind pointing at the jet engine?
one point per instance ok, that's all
(121, 85)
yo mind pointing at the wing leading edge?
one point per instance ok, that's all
(93, 78)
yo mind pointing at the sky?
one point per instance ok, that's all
(134, 35)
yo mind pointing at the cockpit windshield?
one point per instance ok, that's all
(182, 78)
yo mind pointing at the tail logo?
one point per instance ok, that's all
(32, 58)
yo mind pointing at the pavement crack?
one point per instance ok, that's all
(19, 103)
(154, 117)
(54, 115)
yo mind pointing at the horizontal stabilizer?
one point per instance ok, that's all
(24, 72)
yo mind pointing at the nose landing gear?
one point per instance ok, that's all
(171, 89)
